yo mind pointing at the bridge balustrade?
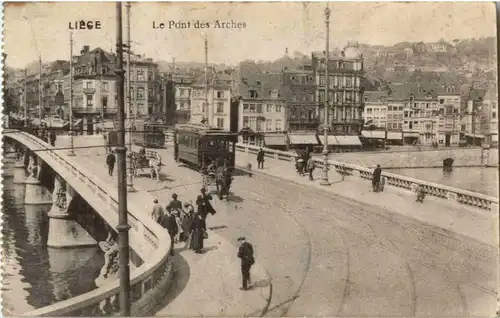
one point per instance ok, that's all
(459, 196)
(153, 273)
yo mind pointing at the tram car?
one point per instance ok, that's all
(198, 145)
(147, 134)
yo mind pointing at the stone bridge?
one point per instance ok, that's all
(149, 243)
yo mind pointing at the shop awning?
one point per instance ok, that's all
(411, 134)
(303, 139)
(474, 135)
(276, 140)
(394, 135)
(342, 140)
(374, 134)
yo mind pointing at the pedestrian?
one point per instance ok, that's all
(53, 138)
(187, 221)
(170, 224)
(157, 212)
(198, 229)
(245, 253)
(260, 159)
(204, 205)
(110, 161)
(175, 206)
(377, 172)
(311, 165)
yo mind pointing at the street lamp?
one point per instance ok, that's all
(71, 151)
(324, 180)
(130, 179)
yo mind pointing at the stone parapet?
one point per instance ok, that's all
(455, 195)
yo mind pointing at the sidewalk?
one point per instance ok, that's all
(478, 224)
(203, 284)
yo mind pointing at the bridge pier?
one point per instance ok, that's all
(64, 231)
(35, 193)
(19, 171)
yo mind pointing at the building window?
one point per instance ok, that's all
(259, 125)
(252, 108)
(88, 85)
(322, 80)
(278, 125)
(269, 108)
(441, 101)
(246, 108)
(259, 108)
(150, 76)
(140, 93)
(245, 121)
(105, 102)
(140, 75)
(253, 94)
(278, 108)
(104, 86)
(303, 79)
(269, 124)
(220, 107)
(253, 123)
(220, 122)
(220, 94)
(493, 115)
(90, 101)
(348, 82)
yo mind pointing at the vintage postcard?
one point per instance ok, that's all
(255, 159)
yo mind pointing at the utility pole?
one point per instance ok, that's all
(206, 81)
(71, 151)
(324, 180)
(130, 181)
(25, 96)
(40, 98)
(123, 227)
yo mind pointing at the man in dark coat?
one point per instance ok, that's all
(168, 222)
(110, 161)
(245, 253)
(204, 205)
(175, 206)
(198, 228)
(260, 159)
(376, 178)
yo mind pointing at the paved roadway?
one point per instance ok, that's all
(330, 256)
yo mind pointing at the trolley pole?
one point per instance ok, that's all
(25, 95)
(130, 180)
(206, 81)
(40, 97)
(324, 180)
(71, 151)
(123, 227)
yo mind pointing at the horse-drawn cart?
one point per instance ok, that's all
(149, 160)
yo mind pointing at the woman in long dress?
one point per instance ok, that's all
(198, 229)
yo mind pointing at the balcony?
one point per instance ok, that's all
(89, 90)
(87, 110)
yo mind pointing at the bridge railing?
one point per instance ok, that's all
(460, 196)
(103, 301)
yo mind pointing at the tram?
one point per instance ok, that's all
(197, 145)
(147, 134)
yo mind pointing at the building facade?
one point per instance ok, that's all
(217, 109)
(345, 70)
(375, 111)
(262, 111)
(145, 88)
(182, 88)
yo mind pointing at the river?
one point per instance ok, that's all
(482, 180)
(35, 275)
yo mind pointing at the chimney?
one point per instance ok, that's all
(85, 49)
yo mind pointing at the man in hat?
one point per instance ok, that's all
(110, 161)
(175, 205)
(245, 253)
(203, 203)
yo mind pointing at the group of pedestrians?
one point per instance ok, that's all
(183, 223)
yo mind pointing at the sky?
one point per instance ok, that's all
(31, 29)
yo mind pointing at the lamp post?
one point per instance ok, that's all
(324, 180)
(71, 151)
(25, 95)
(130, 180)
(123, 226)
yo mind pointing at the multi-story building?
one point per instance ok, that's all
(145, 87)
(345, 89)
(262, 110)
(489, 124)
(375, 111)
(94, 91)
(302, 116)
(431, 111)
(215, 106)
(182, 87)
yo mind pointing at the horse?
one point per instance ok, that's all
(223, 179)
